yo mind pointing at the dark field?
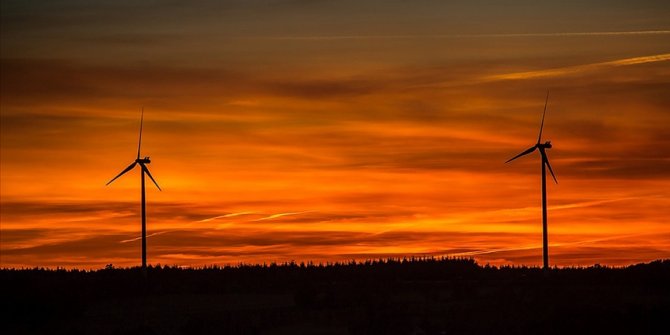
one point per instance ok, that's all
(426, 296)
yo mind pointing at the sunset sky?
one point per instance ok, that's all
(333, 130)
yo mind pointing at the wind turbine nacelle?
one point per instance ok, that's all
(144, 160)
(547, 145)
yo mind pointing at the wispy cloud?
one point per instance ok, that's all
(464, 36)
(539, 246)
(395, 133)
(570, 70)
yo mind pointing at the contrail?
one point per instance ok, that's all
(568, 70)
(139, 237)
(548, 73)
(553, 245)
(503, 213)
(492, 251)
(230, 215)
(594, 203)
(463, 36)
(274, 216)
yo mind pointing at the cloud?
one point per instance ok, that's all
(625, 166)
(621, 249)
(203, 246)
(17, 236)
(64, 78)
(386, 126)
(236, 242)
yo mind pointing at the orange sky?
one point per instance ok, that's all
(328, 131)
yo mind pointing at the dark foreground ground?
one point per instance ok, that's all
(389, 297)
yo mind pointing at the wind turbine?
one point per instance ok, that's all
(143, 165)
(542, 147)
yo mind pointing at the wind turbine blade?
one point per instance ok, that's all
(531, 149)
(539, 137)
(546, 161)
(130, 167)
(150, 176)
(139, 145)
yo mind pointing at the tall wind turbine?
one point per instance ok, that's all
(143, 165)
(542, 147)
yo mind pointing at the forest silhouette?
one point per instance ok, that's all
(390, 296)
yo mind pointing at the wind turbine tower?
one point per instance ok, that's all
(542, 147)
(145, 171)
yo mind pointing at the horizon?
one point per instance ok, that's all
(345, 263)
(333, 131)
